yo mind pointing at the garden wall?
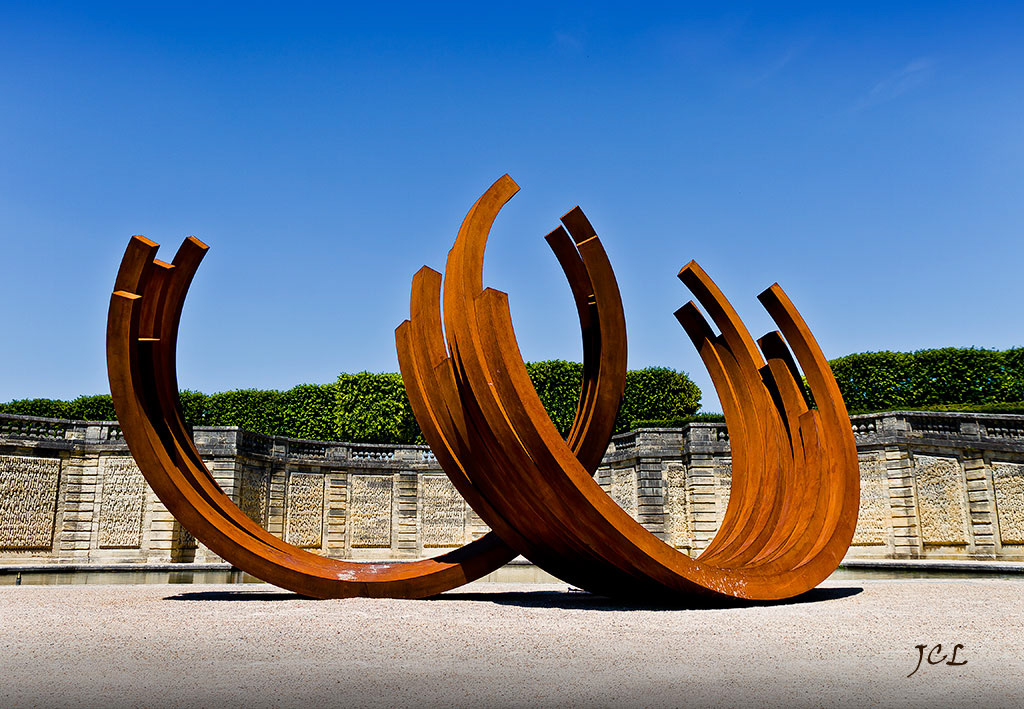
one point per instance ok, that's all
(933, 485)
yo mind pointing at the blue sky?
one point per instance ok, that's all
(868, 158)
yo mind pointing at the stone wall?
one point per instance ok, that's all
(933, 485)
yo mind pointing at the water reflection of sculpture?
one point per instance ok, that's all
(795, 493)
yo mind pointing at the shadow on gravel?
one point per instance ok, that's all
(581, 600)
(577, 600)
(240, 595)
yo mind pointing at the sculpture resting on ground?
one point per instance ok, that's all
(795, 492)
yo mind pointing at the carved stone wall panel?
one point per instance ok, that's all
(122, 505)
(442, 512)
(623, 490)
(677, 505)
(305, 510)
(184, 538)
(252, 493)
(28, 501)
(369, 512)
(872, 529)
(1008, 481)
(723, 487)
(53, 499)
(940, 500)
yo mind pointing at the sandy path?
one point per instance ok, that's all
(851, 644)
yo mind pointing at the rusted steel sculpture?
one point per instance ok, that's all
(795, 493)
(142, 327)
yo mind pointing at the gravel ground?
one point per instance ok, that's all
(847, 643)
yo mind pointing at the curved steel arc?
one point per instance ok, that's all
(783, 533)
(142, 334)
(795, 490)
(190, 493)
(602, 323)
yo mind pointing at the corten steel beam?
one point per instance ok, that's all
(142, 332)
(795, 491)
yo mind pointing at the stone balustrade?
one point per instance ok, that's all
(933, 485)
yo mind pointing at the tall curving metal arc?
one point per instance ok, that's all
(795, 493)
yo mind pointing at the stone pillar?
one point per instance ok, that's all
(80, 503)
(651, 496)
(700, 480)
(337, 506)
(407, 546)
(276, 501)
(164, 531)
(903, 503)
(981, 506)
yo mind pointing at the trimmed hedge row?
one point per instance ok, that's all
(884, 381)
(373, 408)
(652, 393)
(98, 407)
(679, 422)
(368, 407)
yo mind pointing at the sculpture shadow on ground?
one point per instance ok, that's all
(572, 600)
(238, 595)
(581, 600)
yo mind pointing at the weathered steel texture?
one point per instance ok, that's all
(142, 328)
(795, 492)
(795, 479)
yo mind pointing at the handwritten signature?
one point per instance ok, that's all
(932, 654)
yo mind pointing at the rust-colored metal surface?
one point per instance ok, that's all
(795, 491)
(142, 327)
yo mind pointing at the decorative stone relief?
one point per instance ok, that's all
(184, 540)
(252, 494)
(874, 502)
(124, 498)
(442, 512)
(680, 519)
(723, 486)
(305, 509)
(28, 501)
(624, 490)
(369, 510)
(1008, 480)
(940, 500)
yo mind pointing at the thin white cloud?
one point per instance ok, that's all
(910, 77)
(781, 62)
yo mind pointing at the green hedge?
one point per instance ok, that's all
(368, 407)
(373, 408)
(652, 393)
(308, 412)
(880, 381)
(85, 408)
(656, 393)
(703, 417)
(558, 385)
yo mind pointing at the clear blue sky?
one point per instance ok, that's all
(869, 158)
